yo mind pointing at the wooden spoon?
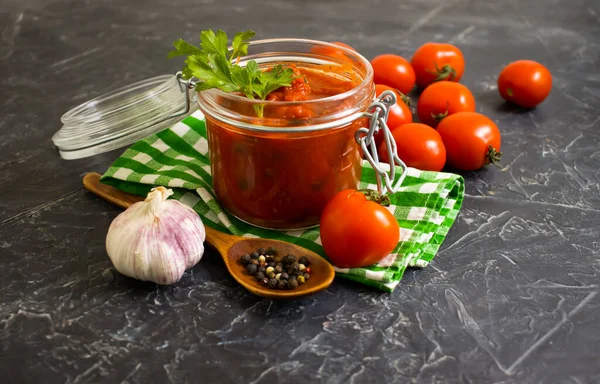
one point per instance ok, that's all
(232, 248)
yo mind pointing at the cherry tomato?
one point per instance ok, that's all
(472, 140)
(437, 61)
(398, 114)
(525, 83)
(332, 51)
(356, 230)
(342, 45)
(394, 71)
(419, 146)
(442, 99)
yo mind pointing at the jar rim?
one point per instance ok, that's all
(207, 98)
(366, 80)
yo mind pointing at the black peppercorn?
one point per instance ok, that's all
(282, 284)
(254, 255)
(278, 268)
(262, 269)
(306, 276)
(273, 283)
(271, 264)
(289, 259)
(292, 283)
(304, 260)
(294, 269)
(284, 276)
(252, 269)
(261, 251)
(246, 259)
(271, 251)
(260, 276)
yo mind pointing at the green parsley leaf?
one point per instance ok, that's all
(212, 43)
(183, 48)
(240, 43)
(215, 66)
(277, 77)
(202, 69)
(244, 79)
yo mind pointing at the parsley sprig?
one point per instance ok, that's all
(215, 65)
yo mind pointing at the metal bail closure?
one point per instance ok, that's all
(124, 116)
(387, 178)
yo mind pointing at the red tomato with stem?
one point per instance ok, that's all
(525, 82)
(398, 113)
(393, 71)
(357, 230)
(437, 61)
(419, 146)
(443, 99)
(472, 140)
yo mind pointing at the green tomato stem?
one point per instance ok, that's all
(492, 156)
(375, 196)
(445, 73)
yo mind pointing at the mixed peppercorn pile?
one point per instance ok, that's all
(274, 271)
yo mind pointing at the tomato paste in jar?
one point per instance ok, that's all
(281, 175)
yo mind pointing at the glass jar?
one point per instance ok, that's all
(277, 168)
(280, 169)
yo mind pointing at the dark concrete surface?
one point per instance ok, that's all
(511, 298)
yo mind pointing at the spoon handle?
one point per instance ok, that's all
(91, 181)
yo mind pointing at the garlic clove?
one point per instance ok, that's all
(156, 239)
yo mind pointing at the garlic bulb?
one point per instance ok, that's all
(156, 239)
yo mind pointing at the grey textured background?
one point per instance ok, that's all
(511, 298)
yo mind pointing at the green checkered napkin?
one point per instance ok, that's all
(425, 207)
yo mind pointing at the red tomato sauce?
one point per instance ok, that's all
(284, 179)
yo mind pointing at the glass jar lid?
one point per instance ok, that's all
(124, 116)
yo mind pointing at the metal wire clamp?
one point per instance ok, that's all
(387, 179)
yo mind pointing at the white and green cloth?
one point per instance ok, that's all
(425, 206)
